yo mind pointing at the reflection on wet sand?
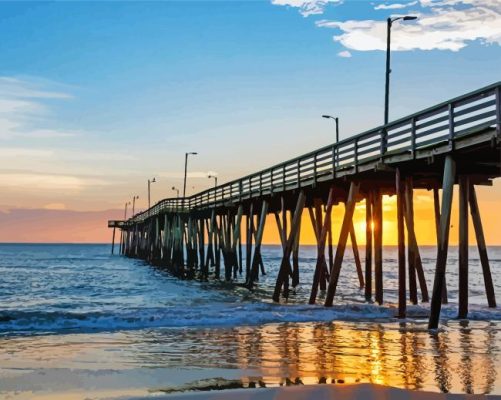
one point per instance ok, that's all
(461, 358)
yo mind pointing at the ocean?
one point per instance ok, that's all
(77, 322)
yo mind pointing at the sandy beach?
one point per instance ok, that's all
(364, 391)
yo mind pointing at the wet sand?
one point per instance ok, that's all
(364, 391)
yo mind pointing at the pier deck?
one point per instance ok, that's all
(455, 142)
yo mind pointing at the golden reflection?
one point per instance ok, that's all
(459, 358)
(399, 356)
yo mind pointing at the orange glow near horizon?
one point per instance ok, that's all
(424, 221)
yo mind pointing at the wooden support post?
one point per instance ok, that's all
(320, 268)
(320, 255)
(257, 245)
(482, 248)
(248, 244)
(356, 256)
(331, 252)
(436, 204)
(341, 246)
(283, 273)
(463, 246)
(402, 291)
(236, 237)
(113, 242)
(210, 242)
(295, 257)
(378, 246)
(415, 264)
(445, 217)
(368, 247)
(240, 257)
(217, 247)
(411, 256)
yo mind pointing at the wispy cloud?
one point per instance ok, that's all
(394, 6)
(442, 25)
(55, 206)
(24, 108)
(193, 174)
(306, 8)
(47, 182)
(9, 152)
(344, 54)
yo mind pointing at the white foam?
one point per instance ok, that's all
(221, 314)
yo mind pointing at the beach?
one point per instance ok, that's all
(79, 323)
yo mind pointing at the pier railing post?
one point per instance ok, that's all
(498, 112)
(451, 126)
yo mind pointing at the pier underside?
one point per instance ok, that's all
(217, 234)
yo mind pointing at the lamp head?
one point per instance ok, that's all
(153, 180)
(410, 18)
(326, 116)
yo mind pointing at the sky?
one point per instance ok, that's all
(98, 97)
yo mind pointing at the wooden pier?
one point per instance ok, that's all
(457, 142)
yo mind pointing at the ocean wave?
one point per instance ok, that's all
(217, 315)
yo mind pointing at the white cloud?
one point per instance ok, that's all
(36, 181)
(192, 174)
(394, 6)
(446, 25)
(306, 8)
(55, 206)
(23, 111)
(344, 54)
(31, 88)
(15, 152)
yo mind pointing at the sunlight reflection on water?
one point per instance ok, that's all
(462, 358)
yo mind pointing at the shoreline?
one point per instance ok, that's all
(361, 391)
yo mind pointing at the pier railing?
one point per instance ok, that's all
(437, 125)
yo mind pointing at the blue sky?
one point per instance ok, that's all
(95, 98)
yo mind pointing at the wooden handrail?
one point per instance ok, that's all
(351, 152)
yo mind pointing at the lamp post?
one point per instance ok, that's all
(149, 191)
(336, 120)
(176, 189)
(186, 170)
(134, 204)
(215, 179)
(125, 212)
(389, 23)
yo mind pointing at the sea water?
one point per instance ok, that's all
(77, 322)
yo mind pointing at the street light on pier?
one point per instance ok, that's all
(176, 189)
(186, 169)
(215, 179)
(389, 23)
(336, 120)
(127, 203)
(149, 191)
(134, 204)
